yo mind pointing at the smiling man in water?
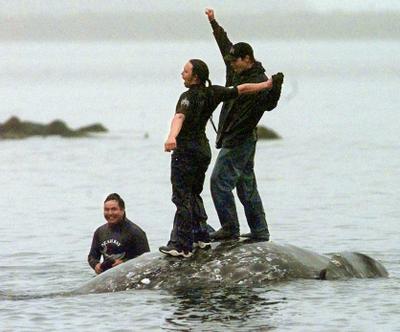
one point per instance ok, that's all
(118, 240)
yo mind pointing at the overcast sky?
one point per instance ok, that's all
(56, 7)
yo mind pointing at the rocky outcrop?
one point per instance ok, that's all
(14, 128)
(266, 133)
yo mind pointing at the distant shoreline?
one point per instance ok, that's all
(194, 26)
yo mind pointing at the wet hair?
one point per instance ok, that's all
(116, 197)
(201, 70)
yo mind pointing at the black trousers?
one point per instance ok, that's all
(189, 163)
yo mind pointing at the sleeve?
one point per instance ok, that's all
(224, 45)
(94, 254)
(183, 104)
(269, 98)
(221, 37)
(222, 93)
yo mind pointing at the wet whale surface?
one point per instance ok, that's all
(231, 264)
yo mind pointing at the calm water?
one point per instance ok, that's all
(331, 184)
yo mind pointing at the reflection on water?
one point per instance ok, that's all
(238, 307)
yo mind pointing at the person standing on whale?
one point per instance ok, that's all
(192, 154)
(237, 137)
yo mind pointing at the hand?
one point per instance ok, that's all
(269, 83)
(170, 144)
(98, 268)
(210, 14)
(117, 262)
(278, 78)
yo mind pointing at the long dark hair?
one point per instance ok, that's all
(201, 70)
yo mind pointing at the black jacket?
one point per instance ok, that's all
(239, 117)
(124, 240)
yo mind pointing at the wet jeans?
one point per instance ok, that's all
(188, 168)
(234, 168)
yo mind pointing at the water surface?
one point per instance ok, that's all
(331, 183)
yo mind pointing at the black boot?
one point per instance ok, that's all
(259, 236)
(223, 235)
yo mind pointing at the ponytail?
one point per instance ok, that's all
(201, 70)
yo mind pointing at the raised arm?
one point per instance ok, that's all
(176, 126)
(224, 44)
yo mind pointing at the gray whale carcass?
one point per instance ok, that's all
(231, 264)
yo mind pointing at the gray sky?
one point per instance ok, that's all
(184, 19)
(60, 7)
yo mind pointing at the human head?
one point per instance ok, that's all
(240, 56)
(114, 208)
(195, 72)
(200, 69)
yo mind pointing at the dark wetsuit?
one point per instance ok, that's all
(124, 240)
(190, 160)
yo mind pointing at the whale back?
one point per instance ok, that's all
(231, 264)
(352, 265)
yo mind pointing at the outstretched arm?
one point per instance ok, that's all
(176, 126)
(248, 88)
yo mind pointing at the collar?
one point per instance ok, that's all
(255, 68)
(118, 224)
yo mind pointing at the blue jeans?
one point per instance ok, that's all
(234, 168)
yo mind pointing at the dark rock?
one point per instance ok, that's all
(14, 128)
(266, 133)
(58, 127)
(94, 128)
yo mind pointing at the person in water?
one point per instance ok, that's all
(118, 240)
(192, 154)
(237, 137)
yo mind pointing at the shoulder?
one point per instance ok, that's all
(101, 228)
(184, 94)
(100, 232)
(258, 70)
(134, 228)
(185, 100)
(185, 97)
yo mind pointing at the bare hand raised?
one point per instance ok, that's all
(210, 14)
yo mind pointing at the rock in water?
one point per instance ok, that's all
(266, 133)
(14, 128)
